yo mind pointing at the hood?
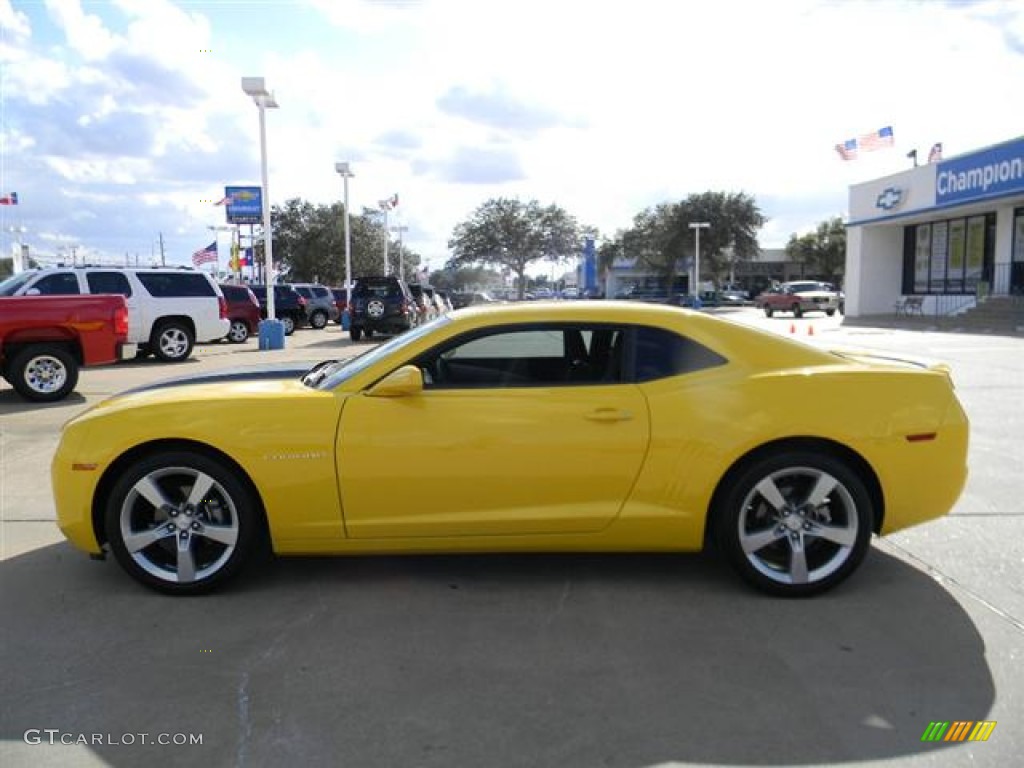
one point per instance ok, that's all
(264, 372)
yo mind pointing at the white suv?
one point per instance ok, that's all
(169, 309)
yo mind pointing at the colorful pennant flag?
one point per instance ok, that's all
(390, 203)
(10, 199)
(935, 155)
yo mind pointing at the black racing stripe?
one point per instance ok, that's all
(268, 371)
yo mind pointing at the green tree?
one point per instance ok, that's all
(823, 251)
(661, 237)
(507, 234)
(311, 241)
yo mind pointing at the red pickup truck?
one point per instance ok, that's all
(44, 340)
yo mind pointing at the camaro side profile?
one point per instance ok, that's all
(537, 427)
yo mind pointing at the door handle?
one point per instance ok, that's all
(609, 414)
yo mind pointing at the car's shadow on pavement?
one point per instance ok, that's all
(618, 660)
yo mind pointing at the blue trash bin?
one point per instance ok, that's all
(271, 334)
(346, 320)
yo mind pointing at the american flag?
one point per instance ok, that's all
(205, 255)
(936, 152)
(878, 140)
(391, 202)
(226, 200)
(10, 199)
(847, 149)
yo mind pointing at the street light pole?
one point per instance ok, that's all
(346, 173)
(697, 226)
(401, 253)
(264, 99)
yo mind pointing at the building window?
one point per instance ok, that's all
(950, 256)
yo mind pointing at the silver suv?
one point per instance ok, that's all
(169, 309)
(320, 306)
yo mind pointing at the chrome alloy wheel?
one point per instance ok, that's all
(179, 525)
(798, 525)
(174, 343)
(45, 374)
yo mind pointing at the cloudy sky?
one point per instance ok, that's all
(124, 119)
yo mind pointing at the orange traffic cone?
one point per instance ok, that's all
(810, 330)
(792, 327)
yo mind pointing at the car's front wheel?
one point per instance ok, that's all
(795, 523)
(797, 311)
(181, 522)
(289, 325)
(355, 333)
(830, 312)
(768, 312)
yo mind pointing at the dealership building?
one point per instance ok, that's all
(950, 231)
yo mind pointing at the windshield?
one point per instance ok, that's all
(10, 286)
(341, 372)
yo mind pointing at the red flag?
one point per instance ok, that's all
(11, 199)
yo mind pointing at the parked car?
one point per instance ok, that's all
(340, 301)
(381, 304)
(320, 306)
(610, 401)
(468, 299)
(433, 296)
(425, 307)
(44, 340)
(169, 309)
(799, 297)
(243, 312)
(289, 306)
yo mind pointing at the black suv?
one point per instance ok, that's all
(381, 304)
(289, 307)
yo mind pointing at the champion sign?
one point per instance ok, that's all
(993, 173)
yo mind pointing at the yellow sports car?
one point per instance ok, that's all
(567, 426)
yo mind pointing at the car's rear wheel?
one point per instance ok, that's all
(768, 312)
(239, 332)
(289, 324)
(355, 333)
(795, 523)
(172, 342)
(830, 312)
(318, 319)
(368, 332)
(181, 522)
(797, 311)
(43, 373)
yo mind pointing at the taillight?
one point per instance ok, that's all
(223, 306)
(121, 322)
(302, 301)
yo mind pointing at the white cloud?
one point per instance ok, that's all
(602, 108)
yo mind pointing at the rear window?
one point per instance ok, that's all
(379, 289)
(320, 292)
(176, 284)
(303, 291)
(661, 353)
(235, 293)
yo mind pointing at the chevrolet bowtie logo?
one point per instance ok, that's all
(889, 199)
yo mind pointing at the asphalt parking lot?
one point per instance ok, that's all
(628, 660)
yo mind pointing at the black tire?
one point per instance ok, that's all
(43, 373)
(221, 529)
(792, 502)
(318, 320)
(368, 332)
(289, 324)
(830, 312)
(143, 352)
(768, 311)
(355, 332)
(239, 332)
(172, 341)
(797, 311)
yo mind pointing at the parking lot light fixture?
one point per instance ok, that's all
(346, 173)
(264, 100)
(697, 226)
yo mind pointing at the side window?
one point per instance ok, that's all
(660, 354)
(559, 355)
(321, 292)
(60, 284)
(108, 282)
(176, 284)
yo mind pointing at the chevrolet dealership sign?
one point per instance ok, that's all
(993, 173)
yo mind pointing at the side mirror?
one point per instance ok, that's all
(406, 381)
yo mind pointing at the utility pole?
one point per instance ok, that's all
(163, 260)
